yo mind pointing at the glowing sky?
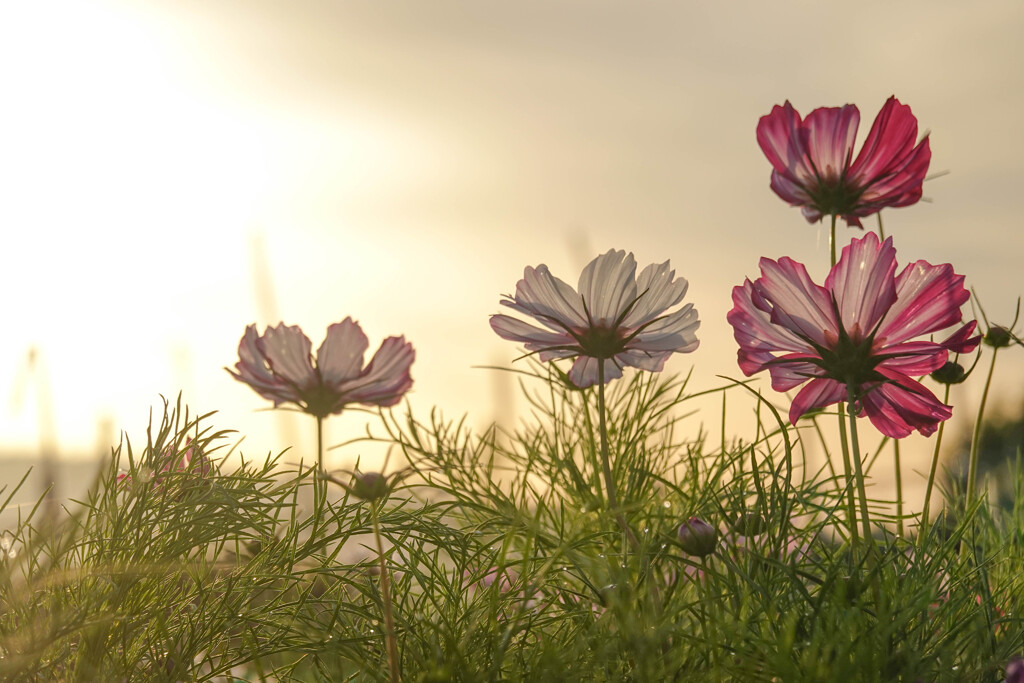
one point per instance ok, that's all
(402, 162)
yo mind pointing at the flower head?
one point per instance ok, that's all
(815, 169)
(697, 537)
(614, 320)
(279, 366)
(855, 333)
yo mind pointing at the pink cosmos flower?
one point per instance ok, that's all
(856, 331)
(812, 160)
(616, 318)
(279, 366)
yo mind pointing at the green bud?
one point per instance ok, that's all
(997, 337)
(950, 373)
(749, 524)
(370, 486)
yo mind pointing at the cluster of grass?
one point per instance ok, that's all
(505, 561)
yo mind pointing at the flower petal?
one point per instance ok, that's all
(914, 358)
(674, 332)
(658, 290)
(533, 337)
(288, 352)
(651, 361)
(385, 380)
(340, 356)
(830, 135)
(797, 304)
(253, 370)
(584, 371)
(928, 299)
(818, 393)
(608, 286)
(888, 144)
(548, 299)
(901, 405)
(862, 283)
(783, 140)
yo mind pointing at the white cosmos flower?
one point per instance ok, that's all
(615, 319)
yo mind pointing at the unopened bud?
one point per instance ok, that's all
(697, 537)
(997, 337)
(369, 486)
(950, 373)
(749, 524)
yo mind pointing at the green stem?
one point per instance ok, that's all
(851, 504)
(385, 593)
(972, 471)
(899, 487)
(925, 511)
(609, 479)
(861, 488)
(832, 240)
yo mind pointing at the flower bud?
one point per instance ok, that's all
(369, 486)
(749, 524)
(997, 337)
(1015, 671)
(950, 373)
(697, 537)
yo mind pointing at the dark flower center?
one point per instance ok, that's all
(834, 196)
(601, 342)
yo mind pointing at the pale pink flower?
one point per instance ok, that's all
(279, 366)
(856, 331)
(616, 318)
(814, 166)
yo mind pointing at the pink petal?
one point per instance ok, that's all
(961, 341)
(253, 370)
(782, 139)
(928, 299)
(288, 352)
(386, 379)
(651, 361)
(830, 135)
(340, 356)
(758, 338)
(899, 406)
(913, 358)
(818, 393)
(797, 303)
(607, 286)
(793, 192)
(887, 145)
(901, 186)
(792, 370)
(862, 282)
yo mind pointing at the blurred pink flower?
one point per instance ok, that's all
(170, 460)
(279, 366)
(855, 331)
(616, 318)
(812, 160)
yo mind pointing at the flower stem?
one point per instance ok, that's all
(832, 240)
(851, 505)
(609, 479)
(861, 488)
(972, 470)
(385, 593)
(926, 509)
(899, 486)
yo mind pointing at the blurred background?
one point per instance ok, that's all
(172, 170)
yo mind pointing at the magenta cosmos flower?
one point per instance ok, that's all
(812, 160)
(280, 367)
(616, 318)
(857, 331)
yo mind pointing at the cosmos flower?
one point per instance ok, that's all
(812, 160)
(857, 331)
(279, 366)
(615, 319)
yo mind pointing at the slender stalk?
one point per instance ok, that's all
(385, 594)
(861, 488)
(899, 486)
(972, 470)
(851, 504)
(609, 479)
(832, 239)
(926, 509)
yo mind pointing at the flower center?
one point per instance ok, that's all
(850, 359)
(601, 342)
(834, 195)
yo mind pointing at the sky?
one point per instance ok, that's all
(171, 171)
